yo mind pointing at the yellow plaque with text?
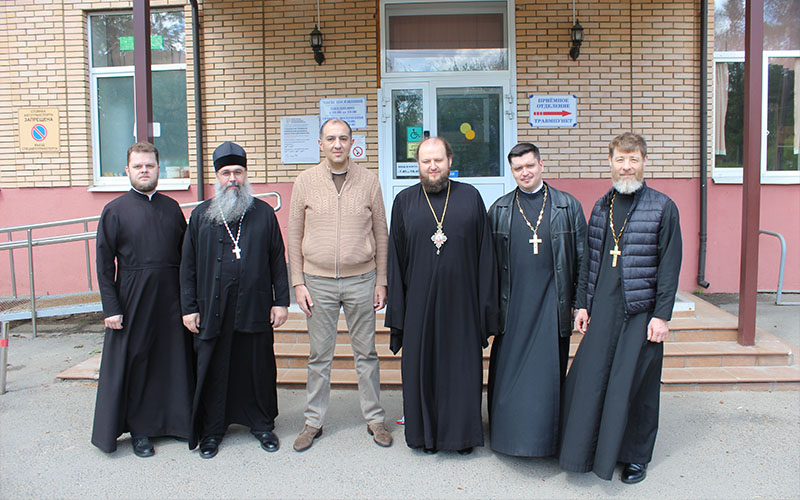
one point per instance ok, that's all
(39, 130)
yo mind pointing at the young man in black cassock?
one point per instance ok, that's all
(234, 291)
(442, 303)
(611, 394)
(539, 237)
(146, 375)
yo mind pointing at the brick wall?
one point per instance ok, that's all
(637, 70)
(258, 66)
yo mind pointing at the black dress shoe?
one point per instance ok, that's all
(269, 441)
(142, 447)
(465, 451)
(634, 473)
(430, 451)
(209, 446)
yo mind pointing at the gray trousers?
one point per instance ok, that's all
(355, 294)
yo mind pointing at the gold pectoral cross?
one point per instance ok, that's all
(238, 252)
(438, 238)
(535, 242)
(615, 253)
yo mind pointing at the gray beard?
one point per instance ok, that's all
(434, 187)
(228, 205)
(630, 187)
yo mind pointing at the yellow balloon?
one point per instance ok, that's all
(470, 134)
(465, 127)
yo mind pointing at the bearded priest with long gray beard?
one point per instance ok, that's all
(234, 291)
(611, 394)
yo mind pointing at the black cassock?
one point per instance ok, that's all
(441, 311)
(146, 375)
(525, 375)
(236, 371)
(612, 391)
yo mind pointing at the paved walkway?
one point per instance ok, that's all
(711, 445)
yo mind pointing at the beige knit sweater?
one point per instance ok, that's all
(336, 235)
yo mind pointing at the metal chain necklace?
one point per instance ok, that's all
(438, 238)
(616, 253)
(535, 240)
(236, 250)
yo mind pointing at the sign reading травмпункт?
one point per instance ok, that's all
(553, 111)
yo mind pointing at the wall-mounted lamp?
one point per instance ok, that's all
(576, 34)
(316, 44)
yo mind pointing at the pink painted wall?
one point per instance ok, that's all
(780, 212)
(62, 268)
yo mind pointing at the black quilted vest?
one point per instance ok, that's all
(639, 259)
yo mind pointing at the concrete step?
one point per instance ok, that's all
(726, 378)
(700, 354)
(672, 379)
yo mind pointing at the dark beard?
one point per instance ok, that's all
(228, 205)
(433, 187)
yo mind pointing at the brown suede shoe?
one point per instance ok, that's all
(380, 434)
(306, 437)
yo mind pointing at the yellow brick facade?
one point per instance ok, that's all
(638, 69)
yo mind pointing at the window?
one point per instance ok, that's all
(780, 155)
(112, 80)
(449, 36)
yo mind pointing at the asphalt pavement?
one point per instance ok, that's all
(711, 445)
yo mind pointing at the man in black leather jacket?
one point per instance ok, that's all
(539, 237)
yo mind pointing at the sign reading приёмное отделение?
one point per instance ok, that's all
(553, 111)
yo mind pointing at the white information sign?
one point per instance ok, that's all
(299, 136)
(353, 110)
(407, 169)
(553, 111)
(359, 149)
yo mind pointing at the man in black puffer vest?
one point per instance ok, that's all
(611, 394)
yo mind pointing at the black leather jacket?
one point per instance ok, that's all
(568, 236)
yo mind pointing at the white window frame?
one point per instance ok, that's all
(445, 7)
(734, 175)
(121, 183)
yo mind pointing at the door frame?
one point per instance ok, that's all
(428, 82)
(487, 185)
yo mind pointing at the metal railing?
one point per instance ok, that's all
(779, 291)
(29, 242)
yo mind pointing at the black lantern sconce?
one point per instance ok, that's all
(576, 34)
(316, 44)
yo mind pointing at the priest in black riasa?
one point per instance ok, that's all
(539, 237)
(611, 394)
(234, 291)
(442, 302)
(146, 375)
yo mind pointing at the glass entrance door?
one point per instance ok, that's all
(474, 118)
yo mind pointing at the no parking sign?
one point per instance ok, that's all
(38, 130)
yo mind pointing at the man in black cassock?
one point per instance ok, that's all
(442, 302)
(234, 291)
(146, 378)
(611, 394)
(539, 237)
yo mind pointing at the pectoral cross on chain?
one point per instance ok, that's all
(535, 242)
(238, 252)
(615, 253)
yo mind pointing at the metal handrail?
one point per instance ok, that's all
(779, 291)
(86, 235)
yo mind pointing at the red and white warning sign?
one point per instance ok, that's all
(359, 149)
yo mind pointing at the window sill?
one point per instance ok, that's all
(120, 187)
(766, 178)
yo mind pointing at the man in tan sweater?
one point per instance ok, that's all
(337, 245)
